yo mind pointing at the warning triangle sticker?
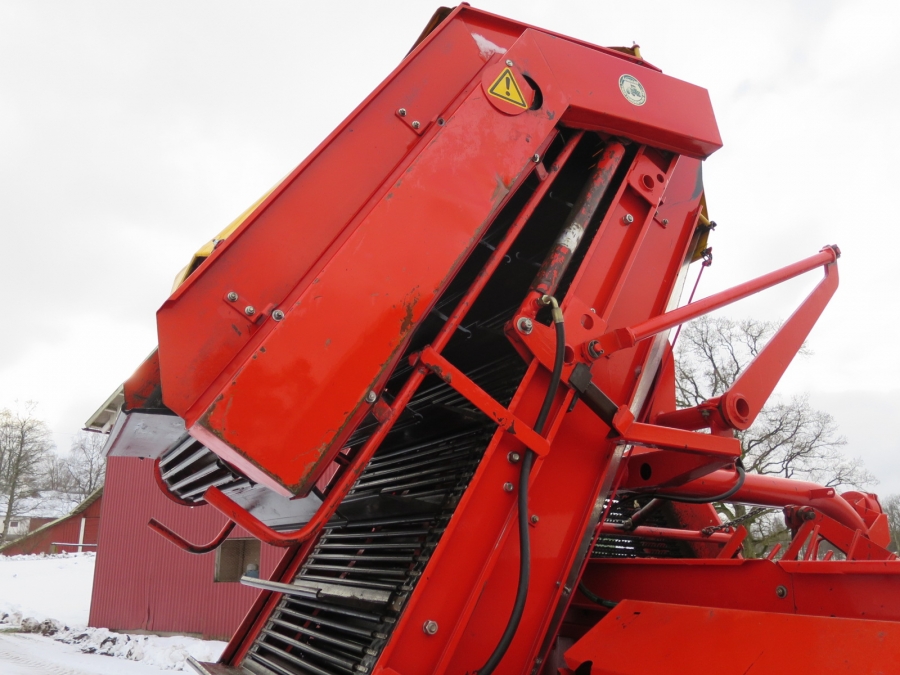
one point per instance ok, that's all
(507, 89)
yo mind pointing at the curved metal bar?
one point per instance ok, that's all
(184, 544)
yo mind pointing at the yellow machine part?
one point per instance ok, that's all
(206, 250)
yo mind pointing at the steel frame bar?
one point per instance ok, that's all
(666, 533)
(623, 338)
(483, 401)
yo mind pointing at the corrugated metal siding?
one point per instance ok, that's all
(142, 582)
(65, 531)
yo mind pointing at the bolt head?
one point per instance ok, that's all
(416, 124)
(628, 218)
(278, 315)
(232, 296)
(781, 591)
(525, 325)
(509, 487)
(249, 310)
(402, 112)
(430, 627)
(513, 457)
(594, 350)
(371, 397)
(665, 221)
(535, 158)
(535, 519)
(509, 63)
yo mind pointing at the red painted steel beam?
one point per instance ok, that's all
(623, 338)
(483, 401)
(665, 533)
(765, 490)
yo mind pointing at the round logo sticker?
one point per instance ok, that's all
(632, 90)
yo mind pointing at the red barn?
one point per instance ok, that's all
(76, 531)
(144, 583)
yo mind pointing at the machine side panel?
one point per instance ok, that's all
(285, 410)
(289, 235)
(674, 115)
(649, 637)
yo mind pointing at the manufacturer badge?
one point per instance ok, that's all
(632, 90)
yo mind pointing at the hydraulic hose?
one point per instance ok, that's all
(716, 498)
(593, 597)
(527, 462)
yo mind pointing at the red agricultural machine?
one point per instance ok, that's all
(434, 364)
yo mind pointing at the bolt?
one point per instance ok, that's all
(781, 591)
(534, 519)
(566, 590)
(524, 325)
(535, 158)
(509, 63)
(628, 218)
(415, 124)
(430, 627)
(278, 315)
(513, 457)
(441, 121)
(594, 350)
(232, 296)
(371, 397)
(249, 310)
(665, 221)
(509, 487)
(402, 112)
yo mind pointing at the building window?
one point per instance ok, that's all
(235, 558)
(14, 524)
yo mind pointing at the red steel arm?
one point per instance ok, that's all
(624, 338)
(738, 407)
(764, 490)
(184, 544)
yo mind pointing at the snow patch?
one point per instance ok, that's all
(50, 595)
(46, 587)
(486, 47)
(165, 653)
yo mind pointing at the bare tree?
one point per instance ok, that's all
(789, 438)
(24, 443)
(891, 507)
(87, 462)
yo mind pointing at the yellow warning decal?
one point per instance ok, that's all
(507, 89)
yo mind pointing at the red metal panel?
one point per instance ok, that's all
(644, 637)
(869, 590)
(281, 244)
(141, 582)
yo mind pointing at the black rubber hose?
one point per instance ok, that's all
(709, 500)
(524, 540)
(593, 597)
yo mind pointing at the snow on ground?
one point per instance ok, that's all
(47, 587)
(52, 595)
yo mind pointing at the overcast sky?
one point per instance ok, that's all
(132, 132)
